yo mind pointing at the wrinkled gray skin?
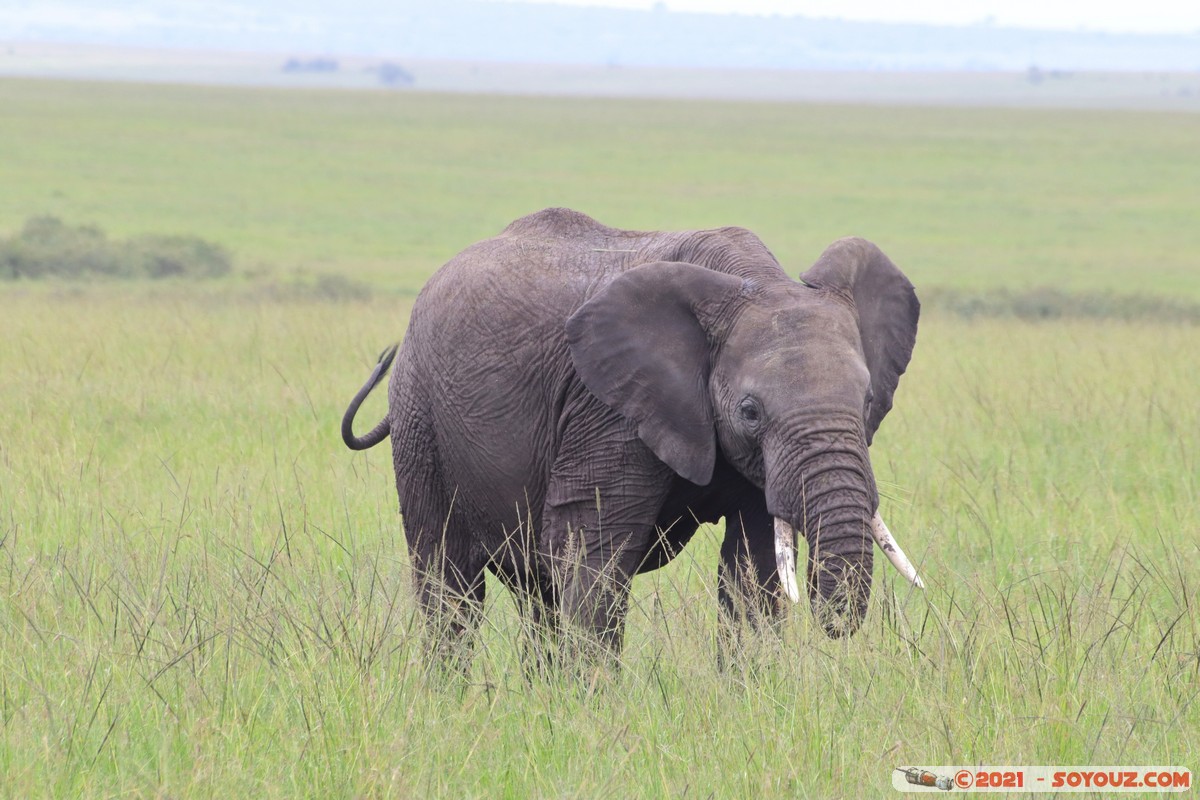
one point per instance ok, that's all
(571, 400)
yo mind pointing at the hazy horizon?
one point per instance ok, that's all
(1112, 16)
(505, 31)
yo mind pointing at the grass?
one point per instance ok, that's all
(386, 186)
(205, 594)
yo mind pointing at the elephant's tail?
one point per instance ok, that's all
(380, 431)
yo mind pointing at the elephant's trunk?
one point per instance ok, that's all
(840, 560)
(830, 496)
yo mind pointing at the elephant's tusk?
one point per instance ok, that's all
(883, 537)
(785, 558)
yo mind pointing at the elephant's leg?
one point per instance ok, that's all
(604, 495)
(747, 580)
(543, 631)
(447, 564)
(450, 590)
(538, 608)
(595, 593)
(592, 572)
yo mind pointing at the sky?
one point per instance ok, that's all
(1141, 16)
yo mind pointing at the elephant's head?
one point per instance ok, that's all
(787, 380)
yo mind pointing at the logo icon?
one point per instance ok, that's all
(923, 777)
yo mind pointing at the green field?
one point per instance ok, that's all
(205, 594)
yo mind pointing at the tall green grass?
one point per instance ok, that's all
(204, 593)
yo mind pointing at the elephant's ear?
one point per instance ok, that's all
(887, 308)
(642, 345)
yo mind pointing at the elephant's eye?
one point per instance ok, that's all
(748, 411)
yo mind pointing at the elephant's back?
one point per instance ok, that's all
(497, 295)
(517, 289)
(487, 347)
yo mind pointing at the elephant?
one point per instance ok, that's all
(571, 401)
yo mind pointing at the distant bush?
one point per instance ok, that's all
(176, 256)
(394, 75)
(311, 65)
(325, 287)
(339, 288)
(46, 247)
(1043, 303)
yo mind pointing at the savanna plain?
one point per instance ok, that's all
(203, 593)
